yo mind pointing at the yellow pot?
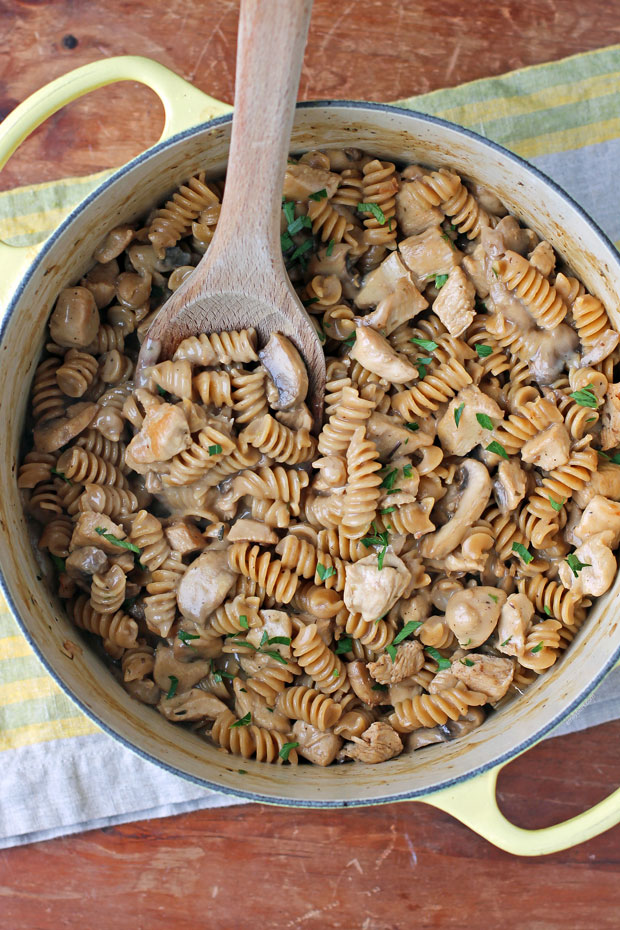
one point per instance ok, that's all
(456, 777)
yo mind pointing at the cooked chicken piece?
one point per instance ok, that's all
(601, 514)
(472, 614)
(462, 438)
(487, 199)
(382, 281)
(249, 701)
(302, 180)
(85, 532)
(184, 537)
(332, 472)
(362, 684)
(370, 590)
(508, 236)
(543, 258)
(377, 744)
(598, 567)
(514, 623)
(487, 674)
(416, 608)
(605, 481)
(602, 348)
(411, 216)
(205, 585)
(164, 433)
(404, 481)
(405, 690)
(75, 320)
(409, 659)
(252, 531)
(169, 669)
(376, 354)
(276, 624)
(473, 266)
(429, 254)
(610, 418)
(389, 433)
(510, 485)
(454, 305)
(443, 681)
(318, 746)
(402, 305)
(195, 704)
(549, 449)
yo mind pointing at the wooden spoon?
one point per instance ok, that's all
(241, 281)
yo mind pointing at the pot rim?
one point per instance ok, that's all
(414, 794)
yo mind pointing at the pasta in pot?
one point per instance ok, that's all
(312, 599)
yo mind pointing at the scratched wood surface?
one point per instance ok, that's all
(388, 868)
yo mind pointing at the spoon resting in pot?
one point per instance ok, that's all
(241, 281)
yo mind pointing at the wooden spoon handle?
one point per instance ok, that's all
(270, 50)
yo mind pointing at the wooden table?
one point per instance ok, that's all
(385, 868)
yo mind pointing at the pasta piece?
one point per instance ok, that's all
(76, 373)
(56, 536)
(234, 616)
(430, 710)
(101, 498)
(274, 484)
(591, 319)
(375, 634)
(204, 454)
(318, 661)
(107, 591)
(174, 221)
(173, 377)
(249, 400)
(277, 581)
(113, 452)
(436, 388)
(352, 412)
(37, 468)
(148, 535)
(160, 607)
(362, 491)
(541, 299)
(554, 599)
(278, 441)
(48, 401)
(380, 188)
(219, 348)
(83, 467)
(542, 646)
(117, 628)
(340, 546)
(250, 741)
(309, 705)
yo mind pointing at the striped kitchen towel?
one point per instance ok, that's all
(564, 117)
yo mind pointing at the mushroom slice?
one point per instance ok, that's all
(286, 369)
(57, 433)
(195, 704)
(374, 352)
(475, 490)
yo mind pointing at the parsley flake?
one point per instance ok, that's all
(378, 539)
(215, 450)
(330, 247)
(586, 397)
(406, 631)
(427, 344)
(466, 662)
(483, 351)
(59, 564)
(243, 622)
(350, 340)
(484, 420)
(522, 552)
(373, 208)
(345, 644)
(61, 474)
(284, 752)
(174, 684)
(556, 506)
(437, 656)
(458, 413)
(242, 722)
(412, 426)
(421, 364)
(391, 651)
(297, 225)
(288, 206)
(379, 687)
(286, 243)
(325, 571)
(279, 641)
(274, 655)
(121, 543)
(161, 391)
(301, 250)
(408, 471)
(506, 641)
(575, 565)
(390, 478)
(448, 240)
(440, 279)
(547, 611)
(387, 509)
(537, 647)
(494, 597)
(497, 449)
(186, 637)
(319, 195)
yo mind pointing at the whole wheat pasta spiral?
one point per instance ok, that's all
(249, 741)
(37, 468)
(375, 634)
(542, 645)
(273, 483)
(380, 187)
(101, 498)
(435, 389)
(352, 412)
(309, 705)
(48, 401)
(428, 710)
(540, 297)
(83, 467)
(175, 220)
(362, 492)
(204, 454)
(117, 628)
(236, 615)
(591, 319)
(218, 348)
(56, 536)
(107, 591)
(249, 401)
(160, 607)
(277, 581)
(147, 534)
(278, 441)
(318, 661)
(76, 373)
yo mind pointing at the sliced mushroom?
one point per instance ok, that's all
(85, 562)
(75, 320)
(114, 244)
(376, 354)
(475, 490)
(54, 434)
(362, 683)
(252, 531)
(195, 704)
(287, 371)
(100, 280)
(472, 614)
(465, 724)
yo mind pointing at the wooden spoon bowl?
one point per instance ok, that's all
(241, 281)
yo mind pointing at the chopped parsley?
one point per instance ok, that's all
(458, 413)
(350, 340)
(437, 656)
(242, 722)
(421, 364)
(301, 250)
(161, 391)
(412, 426)
(388, 509)
(408, 471)
(325, 571)
(391, 651)
(379, 687)
(187, 637)
(243, 642)
(448, 240)
(274, 655)
(373, 208)
(506, 641)
(390, 478)
(284, 752)
(345, 644)
(537, 647)
(440, 279)
(286, 243)
(556, 506)
(484, 420)
(319, 195)
(243, 622)
(310, 301)
(586, 397)
(497, 449)
(494, 597)
(121, 543)
(575, 565)
(407, 630)
(61, 474)
(330, 247)
(483, 351)
(288, 207)
(547, 611)
(522, 552)
(264, 638)
(59, 564)
(279, 641)
(215, 450)
(467, 662)
(427, 344)
(297, 225)
(377, 539)
(174, 684)
(335, 673)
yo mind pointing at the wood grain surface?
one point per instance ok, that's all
(387, 868)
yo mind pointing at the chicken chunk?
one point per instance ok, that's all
(604, 482)
(377, 744)
(382, 281)
(514, 622)
(318, 746)
(428, 254)
(510, 485)
(302, 180)
(600, 514)
(248, 701)
(455, 303)
(610, 418)
(543, 258)
(388, 433)
(472, 614)
(402, 305)
(412, 217)
(195, 704)
(598, 567)
(408, 660)
(370, 590)
(486, 674)
(204, 585)
(164, 433)
(473, 266)
(462, 438)
(169, 669)
(376, 354)
(549, 449)
(85, 532)
(184, 538)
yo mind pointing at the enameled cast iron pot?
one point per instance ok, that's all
(457, 777)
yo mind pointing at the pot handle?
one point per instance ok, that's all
(184, 106)
(474, 803)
